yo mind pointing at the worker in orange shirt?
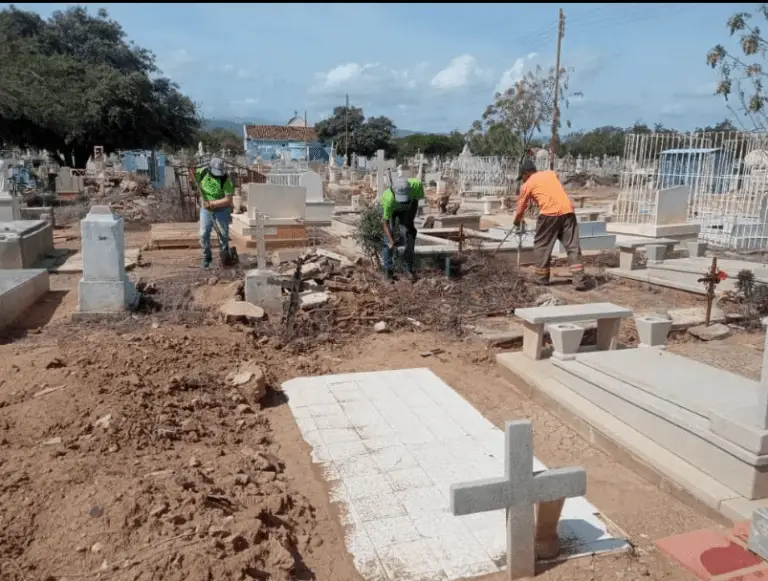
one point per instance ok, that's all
(556, 221)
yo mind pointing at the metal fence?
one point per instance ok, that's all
(726, 174)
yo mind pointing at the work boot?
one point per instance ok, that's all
(389, 276)
(541, 280)
(411, 276)
(206, 263)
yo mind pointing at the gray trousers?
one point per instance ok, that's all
(549, 229)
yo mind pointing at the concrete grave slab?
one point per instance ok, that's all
(24, 242)
(714, 422)
(391, 444)
(73, 263)
(19, 290)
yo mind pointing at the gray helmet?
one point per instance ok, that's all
(402, 190)
(216, 167)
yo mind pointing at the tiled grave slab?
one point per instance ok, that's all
(391, 443)
(711, 554)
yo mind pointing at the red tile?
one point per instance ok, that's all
(741, 531)
(707, 553)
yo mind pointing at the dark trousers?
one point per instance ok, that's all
(404, 232)
(549, 229)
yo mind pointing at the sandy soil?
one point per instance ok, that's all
(126, 454)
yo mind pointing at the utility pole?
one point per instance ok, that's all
(556, 112)
(346, 130)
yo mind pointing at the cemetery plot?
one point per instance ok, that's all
(391, 445)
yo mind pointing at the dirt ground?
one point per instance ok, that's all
(127, 456)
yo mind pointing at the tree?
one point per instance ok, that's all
(743, 76)
(218, 139)
(374, 134)
(607, 140)
(74, 81)
(430, 144)
(724, 126)
(343, 121)
(365, 136)
(509, 124)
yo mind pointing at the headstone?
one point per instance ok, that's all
(672, 205)
(313, 183)
(104, 287)
(518, 491)
(263, 289)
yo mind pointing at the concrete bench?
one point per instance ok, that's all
(627, 249)
(607, 315)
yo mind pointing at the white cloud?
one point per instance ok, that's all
(463, 71)
(363, 79)
(514, 73)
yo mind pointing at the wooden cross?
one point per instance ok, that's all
(517, 492)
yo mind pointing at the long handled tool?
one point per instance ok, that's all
(519, 232)
(227, 254)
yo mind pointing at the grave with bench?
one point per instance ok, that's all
(655, 250)
(701, 430)
(563, 324)
(665, 215)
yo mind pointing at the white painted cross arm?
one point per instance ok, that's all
(520, 486)
(497, 493)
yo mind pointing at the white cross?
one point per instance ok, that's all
(518, 491)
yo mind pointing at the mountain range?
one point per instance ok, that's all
(236, 125)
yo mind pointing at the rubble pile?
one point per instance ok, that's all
(339, 298)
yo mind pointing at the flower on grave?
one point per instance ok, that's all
(721, 275)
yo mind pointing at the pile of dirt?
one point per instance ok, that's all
(136, 457)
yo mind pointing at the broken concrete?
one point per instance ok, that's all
(241, 311)
(711, 332)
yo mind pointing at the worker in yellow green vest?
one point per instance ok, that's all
(217, 189)
(399, 205)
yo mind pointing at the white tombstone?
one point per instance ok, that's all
(104, 287)
(518, 491)
(313, 183)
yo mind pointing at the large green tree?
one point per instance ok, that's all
(430, 144)
(74, 81)
(348, 127)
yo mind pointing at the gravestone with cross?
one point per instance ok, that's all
(382, 167)
(517, 492)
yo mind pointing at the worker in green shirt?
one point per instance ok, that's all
(217, 190)
(399, 205)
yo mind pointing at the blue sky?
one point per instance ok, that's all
(433, 67)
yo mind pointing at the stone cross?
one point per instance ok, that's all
(518, 491)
